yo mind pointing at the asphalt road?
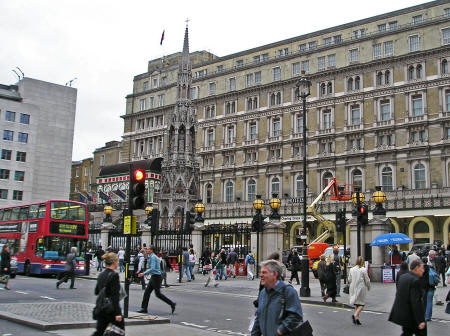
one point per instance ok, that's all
(226, 310)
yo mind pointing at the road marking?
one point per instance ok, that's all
(228, 319)
(372, 312)
(20, 292)
(47, 297)
(319, 312)
(194, 325)
(6, 334)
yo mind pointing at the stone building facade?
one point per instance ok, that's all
(378, 115)
(81, 180)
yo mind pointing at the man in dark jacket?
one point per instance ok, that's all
(69, 269)
(98, 254)
(232, 260)
(408, 309)
(441, 265)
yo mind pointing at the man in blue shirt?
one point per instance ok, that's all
(154, 268)
(267, 321)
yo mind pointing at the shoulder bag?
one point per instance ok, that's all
(103, 305)
(113, 330)
(303, 328)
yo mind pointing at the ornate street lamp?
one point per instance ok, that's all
(275, 204)
(107, 210)
(199, 208)
(357, 199)
(148, 209)
(379, 197)
(258, 205)
(304, 87)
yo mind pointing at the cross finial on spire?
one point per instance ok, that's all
(187, 21)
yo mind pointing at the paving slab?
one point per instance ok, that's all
(64, 315)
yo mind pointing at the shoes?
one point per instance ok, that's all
(290, 282)
(445, 285)
(334, 300)
(428, 320)
(73, 288)
(358, 322)
(206, 285)
(234, 276)
(215, 285)
(189, 281)
(325, 298)
(226, 278)
(7, 288)
(166, 286)
(57, 285)
(337, 295)
(142, 311)
(173, 305)
(298, 283)
(353, 319)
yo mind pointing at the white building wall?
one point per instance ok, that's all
(50, 140)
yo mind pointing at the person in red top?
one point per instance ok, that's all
(396, 257)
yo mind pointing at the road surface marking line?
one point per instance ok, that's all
(193, 325)
(228, 319)
(47, 297)
(20, 292)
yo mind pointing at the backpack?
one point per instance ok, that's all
(433, 278)
(251, 259)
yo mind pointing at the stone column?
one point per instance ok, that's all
(146, 237)
(353, 240)
(104, 234)
(377, 226)
(272, 238)
(197, 240)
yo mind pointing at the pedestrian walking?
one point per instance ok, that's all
(5, 265)
(69, 269)
(250, 263)
(294, 265)
(359, 285)
(165, 267)
(321, 272)
(279, 308)
(141, 267)
(232, 261)
(337, 261)
(412, 257)
(441, 265)
(330, 276)
(121, 255)
(99, 254)
(192, 261)
(154, 269)
(109, 280)
(185, 264)
(408, 308)
(210, 264)
(433, 281)
(403, 270)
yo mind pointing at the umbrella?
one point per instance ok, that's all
(391, 239)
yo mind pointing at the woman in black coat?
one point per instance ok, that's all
(5, 267)
(110, 280)
(294, 265)
(330, 276)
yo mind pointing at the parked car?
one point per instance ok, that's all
(13, 271)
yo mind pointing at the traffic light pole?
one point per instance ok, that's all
(180, 251)
(344, 220)
(127, 268)
(358, 225)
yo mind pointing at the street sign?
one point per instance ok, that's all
(129, 226)
(295, 200)
(303, 237)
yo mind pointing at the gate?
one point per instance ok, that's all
(171, 241)
(237, 235)
(118, 239)
(94, 236)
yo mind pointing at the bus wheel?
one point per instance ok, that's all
(27, 268)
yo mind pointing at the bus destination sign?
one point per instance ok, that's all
(10, 227)
(67, 229)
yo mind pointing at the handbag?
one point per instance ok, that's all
(103, 305)
(113, 330)
(303, 328)
(346, 289)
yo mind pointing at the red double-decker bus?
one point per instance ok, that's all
(41, 234)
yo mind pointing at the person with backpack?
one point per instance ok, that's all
(433, 281)
(108, 286)
(250, 263)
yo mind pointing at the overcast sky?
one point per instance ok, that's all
(105, 43)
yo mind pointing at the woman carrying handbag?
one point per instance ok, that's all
(5, 268)
(107, 310)
(359, 285)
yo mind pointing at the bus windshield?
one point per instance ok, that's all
(68, 211)
(57, 248)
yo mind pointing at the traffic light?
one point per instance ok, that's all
(258, 222)
(136, 196)
(154, 221)
(364, 214)
(340, 220)
(190, 221)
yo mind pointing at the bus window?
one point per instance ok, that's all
(23, 214)
(1, 214)
(42, 209)
(57, 248)
(59, 210)
(77, 212)
(15, 213)
(33, 212)
(12, 243)
(40, 247)
(7, 214)
(68, 211)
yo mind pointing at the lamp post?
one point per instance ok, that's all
(199, 208)
(107, 210)
(357, 199)
(148, 221)
(275, 204)
(379, 197)
(258, 205)
(304, 86)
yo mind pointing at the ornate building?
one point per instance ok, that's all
(378, 115)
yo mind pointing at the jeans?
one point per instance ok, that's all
(154, 284)
(429, 310)
(99, 265)
(121, 266)
(220, 272)
(187, 271)
(191, 269)
(338, 282)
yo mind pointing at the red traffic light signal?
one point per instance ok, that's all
(139, 175)
(136, 198)
(361, 210)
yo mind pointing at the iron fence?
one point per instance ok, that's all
(237, 236)
(171, 241)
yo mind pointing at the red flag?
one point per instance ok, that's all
(162, 38)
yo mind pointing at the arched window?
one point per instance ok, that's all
(272, 99)
(326, 179)
(249, 104)
(233, 107)
(275, 185)
(419, 176)
(278, 98)
(386, 179)
(227, 108)
(350, 84)
(379, 78)
(299, 186)
(251, 190)
(177, 220)
(296, 94)
(387, 77)
(444, 67)
(419, 71)
(411, 73)
(357, 83)
(209, 193)
(165, 219)
(357, 179)
(421, 233)
(323, 91)
(229, 192)
(329, 88)
(255, 102)
(213, 111)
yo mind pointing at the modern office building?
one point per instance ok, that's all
(378, 115)
(37, 124)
